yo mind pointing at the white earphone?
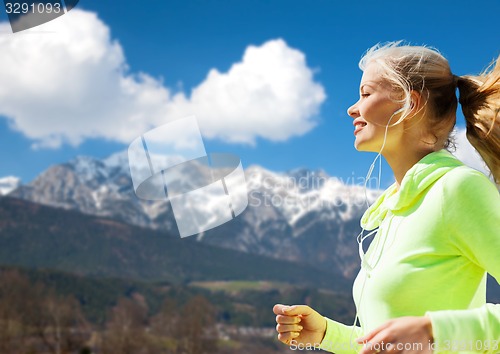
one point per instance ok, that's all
(399, 111)
(360, 238)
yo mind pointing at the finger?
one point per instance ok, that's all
(368, 337)
(296, 310)
(288, 319)
(287, 337)
(371, 348)
(281, 328)
(375, 345)
(278, 309)
(391, 348)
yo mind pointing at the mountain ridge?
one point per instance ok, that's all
(9, 184)
(320, 231)
(290, 215)
(38, 236)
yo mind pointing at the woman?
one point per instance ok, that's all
(422, 284)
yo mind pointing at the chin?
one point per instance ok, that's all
(359, 145)
(363, 146)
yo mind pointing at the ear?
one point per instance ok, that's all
(416, 108)
(416, 102)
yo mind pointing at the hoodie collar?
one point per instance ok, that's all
(415, 182)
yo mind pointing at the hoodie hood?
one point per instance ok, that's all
(415, 182)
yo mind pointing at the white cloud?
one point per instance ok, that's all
(270, 93)
(467, 154)
(71, 83)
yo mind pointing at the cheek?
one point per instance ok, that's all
(376, 113)
(371, 114)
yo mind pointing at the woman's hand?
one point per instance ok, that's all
(299, 323)
(401, 335)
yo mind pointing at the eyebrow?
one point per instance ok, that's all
(366, 84)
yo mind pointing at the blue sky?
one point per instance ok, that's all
(177, 43)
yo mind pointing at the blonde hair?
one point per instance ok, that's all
(424, 70)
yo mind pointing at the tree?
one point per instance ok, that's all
(163, 324)
(61, 325)
(196, 328)
(163, 327)
(125, 332)
(19, 301)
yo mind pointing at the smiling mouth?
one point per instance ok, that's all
(358, 127)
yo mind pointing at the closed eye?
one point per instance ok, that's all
(365, 94)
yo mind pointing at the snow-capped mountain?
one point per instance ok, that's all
(301, 215)
(8, 184)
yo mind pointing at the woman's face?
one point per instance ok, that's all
(373, 111)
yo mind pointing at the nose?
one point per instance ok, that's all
(353, 111)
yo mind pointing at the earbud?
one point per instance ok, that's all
(395, 112)
(399, 111)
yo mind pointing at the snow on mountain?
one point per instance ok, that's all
(117, 160)
(300, 215)
(88, 169)
(300, 192)
(8, 184)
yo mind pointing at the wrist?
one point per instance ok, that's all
(321, 331)
(324, 329)
(428, 327)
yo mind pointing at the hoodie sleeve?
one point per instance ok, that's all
(472, 215)
(338, 338)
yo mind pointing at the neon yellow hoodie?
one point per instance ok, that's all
(437, 237)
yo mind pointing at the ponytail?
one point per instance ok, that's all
(480, 101)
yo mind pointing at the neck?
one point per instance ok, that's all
(402, 160)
